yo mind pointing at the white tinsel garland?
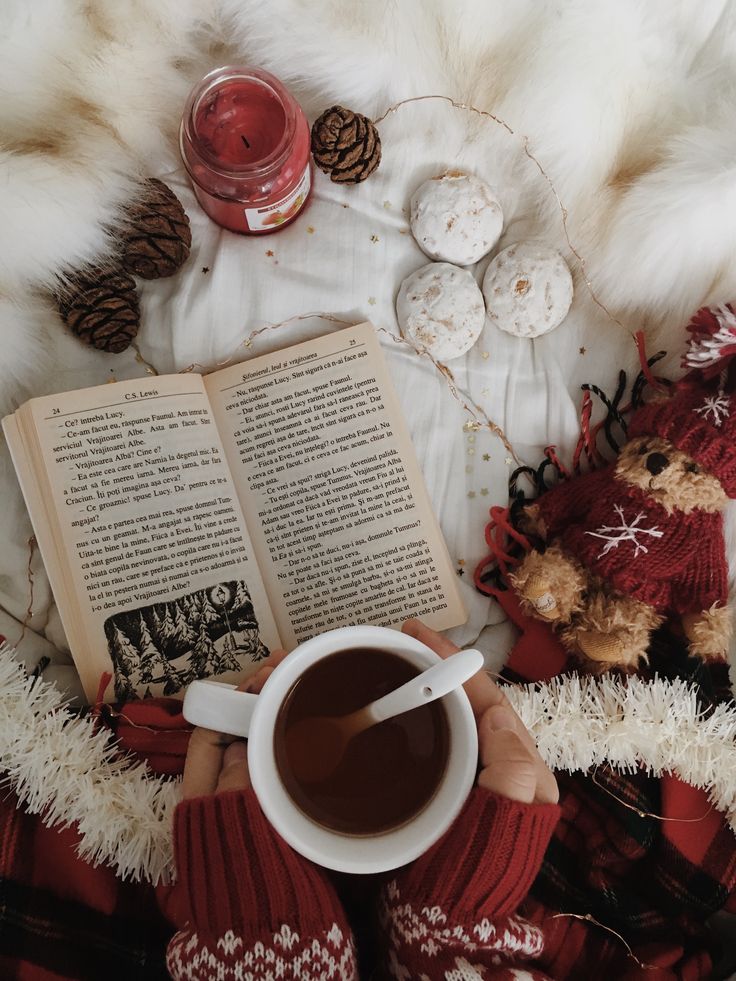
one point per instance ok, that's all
(580, 722)
(71, 773)
(61, 767)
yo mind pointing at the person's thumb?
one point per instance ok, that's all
(234, 774)
(509, 767)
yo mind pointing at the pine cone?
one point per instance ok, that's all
(345, 145)
(156, 238)
(100, 306)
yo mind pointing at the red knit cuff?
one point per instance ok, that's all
(487, 861)
(238, 874)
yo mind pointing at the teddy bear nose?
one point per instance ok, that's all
(656, 463)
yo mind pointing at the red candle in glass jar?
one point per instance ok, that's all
(245, 144)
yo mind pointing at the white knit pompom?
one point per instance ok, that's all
(708, 348)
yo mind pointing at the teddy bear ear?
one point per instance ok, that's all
(712, 343)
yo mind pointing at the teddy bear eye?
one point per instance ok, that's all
(692, 468)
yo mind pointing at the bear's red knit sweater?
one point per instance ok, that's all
(673, 562)
(250, 907)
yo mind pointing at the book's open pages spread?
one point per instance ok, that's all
(339, 516)
(190, 525)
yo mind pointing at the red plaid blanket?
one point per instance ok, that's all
(645, 861)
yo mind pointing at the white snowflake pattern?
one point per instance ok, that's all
(328, 960)
(429, 930)
(719, 406)
(229, 943)
(464, 971)
(613, 535)
(286, 937)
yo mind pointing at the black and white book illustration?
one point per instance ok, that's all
(161, 648)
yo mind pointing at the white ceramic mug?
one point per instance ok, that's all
(221, 707)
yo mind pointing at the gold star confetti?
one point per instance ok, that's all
(112, 381)
(387, 205)
(485, 355)
(461, 572)
(471, 451)
(310, 229)
(403, 231)
(484, 393)
(486, 457)
(461, 561)
(205, 269)
(471, 494)
(372, 300)
(374, 238)
(484, 492)
(582, 350)
(471, 438)
(508, 461)
(269, 252)
(471, 426)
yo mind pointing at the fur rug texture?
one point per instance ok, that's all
(630, 106)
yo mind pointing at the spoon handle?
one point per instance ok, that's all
(437, 681)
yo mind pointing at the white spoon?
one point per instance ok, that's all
(315, 745)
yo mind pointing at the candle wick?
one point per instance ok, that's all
(245, 141)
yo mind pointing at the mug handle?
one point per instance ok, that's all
(214, 705)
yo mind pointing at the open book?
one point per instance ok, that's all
(189, 524)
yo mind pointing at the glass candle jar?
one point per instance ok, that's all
(245, 144)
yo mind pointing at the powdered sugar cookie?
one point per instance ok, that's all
(527, 289)
(456, 218)
(440, 309)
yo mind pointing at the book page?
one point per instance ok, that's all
(156, 579)
(331, 490)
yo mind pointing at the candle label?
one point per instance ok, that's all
(271, 216)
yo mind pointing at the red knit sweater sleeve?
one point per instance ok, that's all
(705, 581)
(252, 906)
(453, 911)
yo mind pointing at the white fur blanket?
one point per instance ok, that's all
(629, 106)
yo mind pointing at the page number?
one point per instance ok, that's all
(55, 412)
(352, 342)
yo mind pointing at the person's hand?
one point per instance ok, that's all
(511, 765)
(217, 762)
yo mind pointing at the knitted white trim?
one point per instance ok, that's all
(580, 722)
(63, 769)
(60, 767)
(330, 956)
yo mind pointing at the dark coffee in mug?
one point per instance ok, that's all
(389, 772)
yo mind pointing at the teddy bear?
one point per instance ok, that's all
(641, 540)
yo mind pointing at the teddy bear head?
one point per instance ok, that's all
(669, 476)
(682, 447)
